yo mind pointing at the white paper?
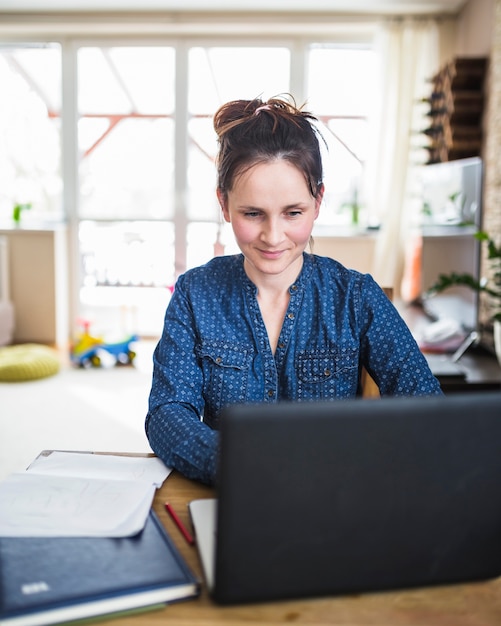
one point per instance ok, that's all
(113, 466)
(75, 494)
(38, 505)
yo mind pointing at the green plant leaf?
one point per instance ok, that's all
(454, 279)
(18, 209)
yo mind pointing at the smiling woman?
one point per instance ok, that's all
(274, 322)
(270, 193)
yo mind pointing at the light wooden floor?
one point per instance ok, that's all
(95, 409)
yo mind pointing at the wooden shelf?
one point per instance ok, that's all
(456, 109)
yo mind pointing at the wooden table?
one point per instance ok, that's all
(474, 604)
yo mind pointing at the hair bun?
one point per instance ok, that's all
(236, 112)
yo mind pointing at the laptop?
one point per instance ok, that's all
(326, 498)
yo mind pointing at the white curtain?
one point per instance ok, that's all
(409, 56)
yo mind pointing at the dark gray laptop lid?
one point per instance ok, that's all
(335, 497)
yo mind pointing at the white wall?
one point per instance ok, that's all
(475, 28)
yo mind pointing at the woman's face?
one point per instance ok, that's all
(272, 212)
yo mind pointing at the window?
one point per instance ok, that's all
(126, 132)
(30, 129)
(144, 199)
(341, 88)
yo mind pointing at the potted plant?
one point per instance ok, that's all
(17, 211)
(491, 286)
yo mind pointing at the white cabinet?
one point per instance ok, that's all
(447, 249)
(38, 283)
(353, 248)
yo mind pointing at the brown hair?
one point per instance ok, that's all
(253, 131)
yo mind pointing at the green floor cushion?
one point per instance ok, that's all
(27, 361)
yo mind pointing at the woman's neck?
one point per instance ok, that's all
(273, 297)
(273, 305)
(274, 284)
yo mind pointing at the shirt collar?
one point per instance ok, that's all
(298, 285)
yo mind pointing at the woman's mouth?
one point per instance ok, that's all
(271, 254)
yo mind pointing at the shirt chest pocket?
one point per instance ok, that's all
(226, 373)
(327, 374)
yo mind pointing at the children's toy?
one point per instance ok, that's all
(90, 351)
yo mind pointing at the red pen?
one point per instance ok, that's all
(179, 523)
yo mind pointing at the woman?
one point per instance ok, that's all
(275, 322)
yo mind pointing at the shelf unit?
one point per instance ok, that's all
(454, 129)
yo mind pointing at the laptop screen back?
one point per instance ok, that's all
(325, 498)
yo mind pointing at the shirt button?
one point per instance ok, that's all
(294, 287)
(281, 344)
(290, 316)
(270, 393)
(219, 360)
(327, 372)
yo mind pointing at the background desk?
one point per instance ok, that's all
(482, 372)
(480, 366)
(475, 604)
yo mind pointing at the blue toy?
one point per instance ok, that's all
(90, 351)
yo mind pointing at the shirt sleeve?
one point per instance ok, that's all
(174, 426)
(389, 351)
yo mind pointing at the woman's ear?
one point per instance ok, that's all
(223, 203)
(318, 199)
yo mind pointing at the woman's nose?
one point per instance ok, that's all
(272, 232)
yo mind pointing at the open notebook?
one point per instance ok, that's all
(338, 497)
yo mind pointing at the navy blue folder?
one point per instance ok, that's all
(52, 580)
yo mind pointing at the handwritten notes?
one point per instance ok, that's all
(73, 494)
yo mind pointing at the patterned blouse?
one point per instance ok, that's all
(214, 351)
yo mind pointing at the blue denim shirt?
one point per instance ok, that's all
(214, 351)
